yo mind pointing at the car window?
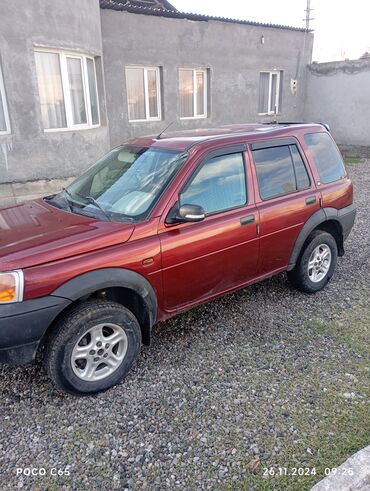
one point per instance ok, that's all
(218, 185)
(303, 181)
(126, 183)
(326, 156)
(280, 171)
(275, 172)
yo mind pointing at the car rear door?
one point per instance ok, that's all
(286, 198)
(201, 260)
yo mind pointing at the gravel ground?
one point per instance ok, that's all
(262, 378)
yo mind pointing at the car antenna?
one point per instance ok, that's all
(166, 128)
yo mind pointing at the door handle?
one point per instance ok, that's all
(247, 220)
(311, 200)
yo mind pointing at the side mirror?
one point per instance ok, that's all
(191, 213)
(186, 213)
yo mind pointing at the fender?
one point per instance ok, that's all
(319, 217)
(99, 279)
(345, 216)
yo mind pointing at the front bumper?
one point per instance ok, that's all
(23, 324)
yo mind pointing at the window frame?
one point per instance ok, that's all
(145, 69)
(304, 161)
(277, 92)
(63, 55)
(195, 71)
(237, 149)
(305, 165)
(7, 130)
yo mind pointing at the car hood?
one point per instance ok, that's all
(35, 233)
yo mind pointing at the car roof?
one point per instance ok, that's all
(185, 139)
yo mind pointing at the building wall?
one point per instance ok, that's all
(28, 152)
(233, 53)
(338, 93)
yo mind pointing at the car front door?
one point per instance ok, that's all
(286, 198)
(204, 259)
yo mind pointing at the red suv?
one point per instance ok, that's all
(161, 224)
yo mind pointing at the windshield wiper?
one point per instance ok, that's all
(90, 199)
(94, 202)
(67, 200)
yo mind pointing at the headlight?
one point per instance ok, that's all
(11, 286)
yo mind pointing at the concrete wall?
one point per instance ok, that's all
(28, 152)
(233, 53)
(338, 93)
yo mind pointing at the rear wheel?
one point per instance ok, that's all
(316, 264)
(93, 347)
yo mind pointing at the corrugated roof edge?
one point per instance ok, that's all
(175, 14)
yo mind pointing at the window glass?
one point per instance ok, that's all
(327, 158)
(270, 92)
(93, 92)
(50, 90)
(264, 92)
(274, 98)
(125, 183)
(192, 93)
(63, 80)
(76, 90)
(303, 181)
(135, 93)
(219, 184)
(2, 116)
(200, 92)
(186, 94)
(142, 93)
(152, 93)
(275, 171)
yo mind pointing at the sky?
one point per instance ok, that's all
(341, 27)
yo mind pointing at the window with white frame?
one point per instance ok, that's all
(4, 115)
(143, 93)
(193, 93)
(270, 92)
(67, 89)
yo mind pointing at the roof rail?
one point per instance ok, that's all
(326, 126)
(286, 123)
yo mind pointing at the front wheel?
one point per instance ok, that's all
(316, 264)
(93, 347)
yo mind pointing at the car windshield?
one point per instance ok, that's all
(124, 184)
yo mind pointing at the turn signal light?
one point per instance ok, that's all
(11, 287)
(8, 289)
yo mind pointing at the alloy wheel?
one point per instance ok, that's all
(319, 263)
(99, 352)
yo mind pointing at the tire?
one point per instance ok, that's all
(92, 347)
(309, 274)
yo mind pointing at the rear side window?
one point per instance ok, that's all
(219, 185)
(327, 158)
(280, 170)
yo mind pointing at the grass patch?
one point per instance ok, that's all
(49, 484)
(353, 329)
(350, 160)
(341, 431)
(338, 422)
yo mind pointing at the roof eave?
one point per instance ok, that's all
(175, 14)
